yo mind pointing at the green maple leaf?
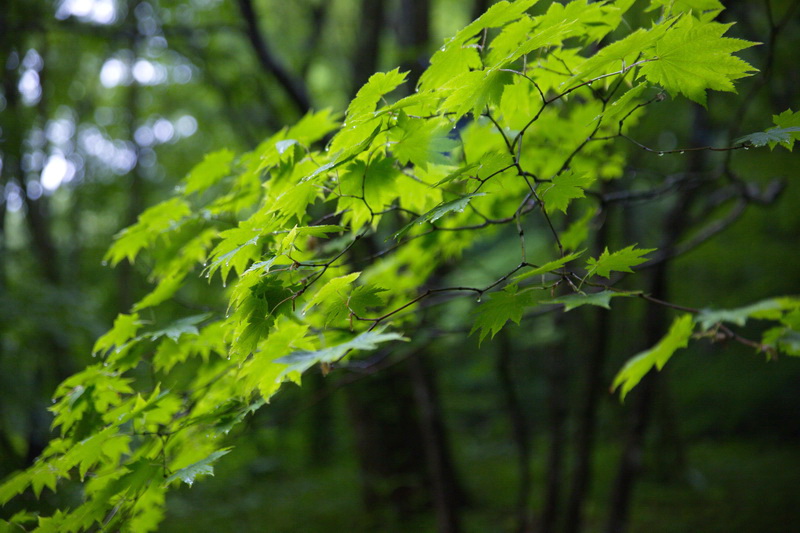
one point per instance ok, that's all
(151, 224)
(421, 141)
(360, 299)
(624, 105)
(213, 168)
(370, 94)
(502, 306)
(619, 261)
(600, 299)
(458, 173)
(125, 328)
(365, 297)
(657, 356)
(563, 189)
(618, 53)
(301, 361)
(183, 326)
(702, 9)
(165, 289)
(498, 15)
(549, 266)
(448, 63)
(237, 248)
(473, 91)
(458, 205)
(787, 130)
(336, 289)
(787, 340)
(771, 309)
(189, 474)
(15, 484)
(694, 56)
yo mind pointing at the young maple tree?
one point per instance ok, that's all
(328, 237)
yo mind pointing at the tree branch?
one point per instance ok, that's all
(294, 88)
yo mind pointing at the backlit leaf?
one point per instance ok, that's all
(214, 167)
(563, 189)
(502, 306)
(301, 361)
(657, 356)
(693, 57)
(599, 299)
(437, 212)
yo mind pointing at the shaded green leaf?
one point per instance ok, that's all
(189, 474)
(183, 326)
(213, 168)
(771, 309)
(502, 306)
(301, 361)
(600, 299)
(787, 130)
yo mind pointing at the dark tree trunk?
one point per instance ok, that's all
(126, 277)
(447, 493)
(556, 369)
(673, 227)
(670, 455)
(656, 324)
(389, 443)
(294, 88)
(368, 49)
(413, 35)
(519, 426)
(587, 414)
(321, 431)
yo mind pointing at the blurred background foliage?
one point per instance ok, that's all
(106, 104)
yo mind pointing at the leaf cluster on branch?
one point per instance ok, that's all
(324, 251)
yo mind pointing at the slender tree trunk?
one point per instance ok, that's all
(519, 426)
(447, 493)
(389, 444)
(657, 321)
(294, 88)
(673, 227)
(368, 49)
(126, 292)
(321, 433)
(670, 456)
(413, 34)
(587, 414)
(557, 414)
